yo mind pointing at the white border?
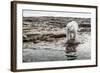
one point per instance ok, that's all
(20, 7)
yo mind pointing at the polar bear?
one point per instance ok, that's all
(71, 30)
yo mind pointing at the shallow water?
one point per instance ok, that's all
(55, 51)
(31, 55)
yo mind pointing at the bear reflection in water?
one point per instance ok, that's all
(71, 52)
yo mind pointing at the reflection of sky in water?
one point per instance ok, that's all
(29, 13)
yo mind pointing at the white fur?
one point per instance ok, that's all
(71, 29)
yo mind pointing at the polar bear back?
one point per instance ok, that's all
(73, 25)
